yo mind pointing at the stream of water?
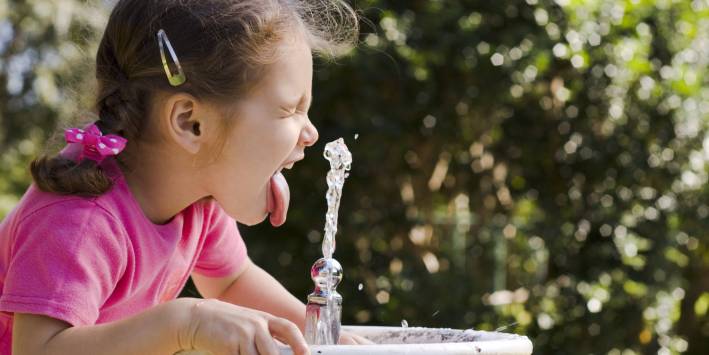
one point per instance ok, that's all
(340, 159)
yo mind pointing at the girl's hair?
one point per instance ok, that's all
(223, 46)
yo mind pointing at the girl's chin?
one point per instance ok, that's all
(250, 218)
(253, 216)
(252, 221)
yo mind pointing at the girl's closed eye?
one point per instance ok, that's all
(288, 112)
(301, 108)
(292, 111)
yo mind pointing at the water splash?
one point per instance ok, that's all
(340, 159)
(404, 323)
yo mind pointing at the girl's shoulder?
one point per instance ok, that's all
(39, 208)
(36, 201)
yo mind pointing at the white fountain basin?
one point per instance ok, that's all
(430, 341)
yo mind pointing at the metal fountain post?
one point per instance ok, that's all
(324, 310)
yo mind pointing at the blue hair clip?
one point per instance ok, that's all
(174, 79)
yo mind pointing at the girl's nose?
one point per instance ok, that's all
(309, 135)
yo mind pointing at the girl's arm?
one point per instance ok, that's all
(254, 288)
(182, 324)
(152, 332)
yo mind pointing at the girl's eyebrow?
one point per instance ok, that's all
(302, 99)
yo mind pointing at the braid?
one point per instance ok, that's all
(120, 106)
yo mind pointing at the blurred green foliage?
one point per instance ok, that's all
(539, 166)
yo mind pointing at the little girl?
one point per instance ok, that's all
(200, 105)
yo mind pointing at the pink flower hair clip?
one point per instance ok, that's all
(96, 145)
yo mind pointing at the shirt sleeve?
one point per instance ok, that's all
(223, 251)
(66, 261)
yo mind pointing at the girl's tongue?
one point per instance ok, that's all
(278, 199)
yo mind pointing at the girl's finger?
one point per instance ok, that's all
(289, 333)
(345, 339)
(354, 339)
(265, 343)
(360, 340)
(247, 347)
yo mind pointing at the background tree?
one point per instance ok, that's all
(46, 50)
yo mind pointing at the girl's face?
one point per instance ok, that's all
(269, 131)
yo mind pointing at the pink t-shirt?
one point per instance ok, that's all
(95, 260)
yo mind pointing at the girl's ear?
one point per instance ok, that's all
(184, 124)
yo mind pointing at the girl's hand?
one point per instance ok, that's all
(347, 338)
(223, 328)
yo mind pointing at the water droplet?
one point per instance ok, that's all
(404, 323)
(505, 327)
(435, 313)
(356, 135)
(360, 287)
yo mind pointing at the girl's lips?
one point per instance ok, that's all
(289, 164)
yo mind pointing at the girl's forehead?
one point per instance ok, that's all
(289, 78)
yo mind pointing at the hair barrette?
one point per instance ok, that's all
(96, 145)
(174, 79)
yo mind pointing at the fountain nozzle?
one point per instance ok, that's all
(324, 310)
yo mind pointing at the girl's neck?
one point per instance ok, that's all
(162, 185)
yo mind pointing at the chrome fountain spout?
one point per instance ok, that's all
(323, 313)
